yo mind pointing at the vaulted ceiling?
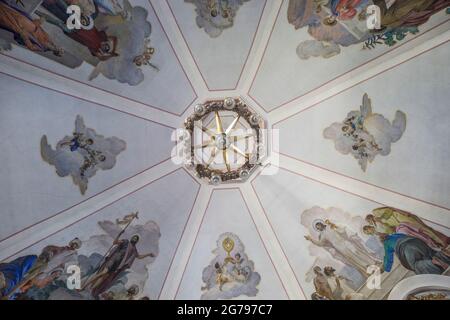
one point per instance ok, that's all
(257, 61)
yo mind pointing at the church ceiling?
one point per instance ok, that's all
(321, 143)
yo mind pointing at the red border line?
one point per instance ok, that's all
(276, 236)
(91, 214)
(361, 81)
(182, 233)
(263, 55)
(195, 60)
(267, 251)
(113, 93)
(97, 211)
(100, 105)
(344, 90)
(200, 227)
(85, 200)
(320, 182)
(178, 59)
(193, 245)
(368, 183)
(333, 79)
(85, 100)
(346, 191)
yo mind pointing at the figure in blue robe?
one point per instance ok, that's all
(413, 253)
(74, 144)
(14, 272)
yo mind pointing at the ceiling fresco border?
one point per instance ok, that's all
(161, 109)
(195, 60)
(342, 91)
(200, 227)
(361, 81)
(100, 192)
(86, 100)
(329, 81)
(316, 181)
(117, 200)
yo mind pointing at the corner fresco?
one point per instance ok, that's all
(114, 265)
(113, 38)
(341, 23)
(388, 242)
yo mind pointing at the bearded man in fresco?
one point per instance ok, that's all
(120, 258)
(345, 247)
(387, 219)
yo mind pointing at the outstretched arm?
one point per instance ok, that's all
(143, 256)
(317, 243)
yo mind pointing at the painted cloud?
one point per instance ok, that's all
(82, 154)
(314, 48)
(230, 274)
(365, 134)
(132, 34)
(217, 15)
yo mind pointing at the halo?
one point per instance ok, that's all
(315, 222)
(76, 241)
(136, 235)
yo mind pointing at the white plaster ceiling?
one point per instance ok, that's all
(254, 60)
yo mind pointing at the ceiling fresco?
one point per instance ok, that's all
(224, 149)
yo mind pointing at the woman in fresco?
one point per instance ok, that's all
(414, 254)
(387, 219)
(13, 273)
(26, 30)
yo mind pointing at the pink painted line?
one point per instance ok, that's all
(95, 104)
(81, 202)
(195, 60)
(328, 185)
(182, 233)
(252, 45)
(178, 59)
(367, 183)
(91, 214)
(116, 94)
(333, 79)
(360, 82)
(265, 248)
(276, 236)
(262, 58)
(344, 90)
(193, 245)
(85, 100)
(349, 192)
(200, 227)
